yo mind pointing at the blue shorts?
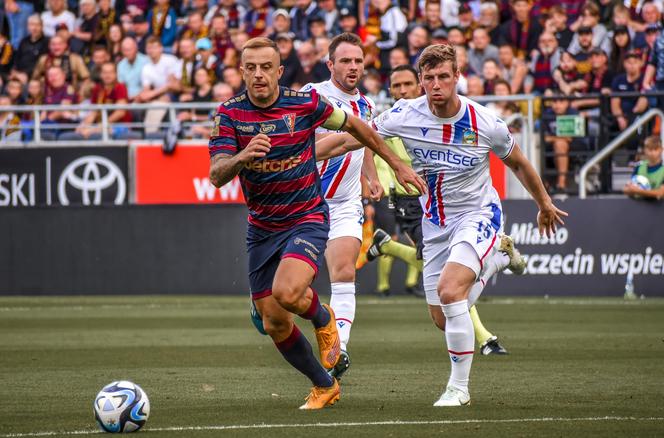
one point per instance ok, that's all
(305, 241)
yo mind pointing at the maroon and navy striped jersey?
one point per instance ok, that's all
(283, 188)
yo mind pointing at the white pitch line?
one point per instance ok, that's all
(344, 424)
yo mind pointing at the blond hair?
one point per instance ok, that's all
(437, 54)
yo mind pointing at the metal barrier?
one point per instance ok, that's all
(615, 144)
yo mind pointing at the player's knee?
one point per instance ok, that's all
(344, 274)
(287, 295)
(276, 327)
(451, 292)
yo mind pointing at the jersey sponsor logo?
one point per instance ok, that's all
(266, 128)
(301, 241)
(271, 166)
(289, 120)
(446, 157)
(246, 128)
(396, 109)
(469, 137)
(424, 131)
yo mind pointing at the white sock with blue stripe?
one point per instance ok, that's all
(343, 304)
(460, 338)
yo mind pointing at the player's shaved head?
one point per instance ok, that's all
(260, 42)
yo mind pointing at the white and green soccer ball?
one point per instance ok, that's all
(121, 406)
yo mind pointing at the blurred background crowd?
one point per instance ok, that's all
(117, 51)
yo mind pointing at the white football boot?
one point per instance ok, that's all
(453, 397)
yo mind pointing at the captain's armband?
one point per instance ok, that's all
(336, 121)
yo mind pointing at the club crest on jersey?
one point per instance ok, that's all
(266, 128)
(424, 131)
(469, 137)
(289, 120)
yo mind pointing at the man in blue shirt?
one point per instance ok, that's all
(129, 69)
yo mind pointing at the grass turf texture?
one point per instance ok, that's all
(203, 364)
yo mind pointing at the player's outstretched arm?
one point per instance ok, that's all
(333, 145)
(549, 215)
(224, 167)
(370, 138)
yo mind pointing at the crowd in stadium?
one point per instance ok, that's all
(118, 51)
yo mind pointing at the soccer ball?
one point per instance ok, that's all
(121, 406)
(641, 181)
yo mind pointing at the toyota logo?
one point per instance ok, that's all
(98, 174)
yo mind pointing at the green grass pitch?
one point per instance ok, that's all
(578, 367)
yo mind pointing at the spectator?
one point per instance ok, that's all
(58, 92)
(520, 31)
(589, 19)
(230, 10)
(566, 77)
(490, 20)
(464, 73)
(600, 77)
(14, 90)
(449, 12)
(392, 23)
(312, 70)
(10, 122)
(162, 21)
(654, 75)
(652, 32)
(557, 24)
(6, 58)
(503, 108)
(17, 13)
(131, 66)
(200, 6)
(490, 74)
(330, 14)
(232, 76)
(583, 48)
(202, 94)
(481, 50)
(221, 92)
(108, 91)
(621, 43)
(83, 36)
(57, 14)
(59, 56)
(432, 18)
(475, 86)
(140, 32)
(627, 109)
(652, 169)
(195, 28)
(439, 37)
(221, 40)
(135, 8)
(32, 47)
(650, 14)
(206, 59)
(513, 69)
(317, 27)
(456, 37)
(398, 56)
(561, 145)
(466, 20)
(280, 24)
(106, 18)
(347, 21)
(372, 84)
(288, 59)
(35, 94)
(300, 15)
(322, 47)
(159, 77)
(114, 42)
(100, 56)
(418, 40)
(187, 57)
(545, 61)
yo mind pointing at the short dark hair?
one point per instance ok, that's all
(153, 39)
(346, 37)
(406, 67)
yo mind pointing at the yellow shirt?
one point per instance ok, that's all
(385, 172)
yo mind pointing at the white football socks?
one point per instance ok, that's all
(494, 264)
(343, 304)
(460, 338)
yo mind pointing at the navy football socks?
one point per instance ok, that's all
(318, 314)
(296, 349)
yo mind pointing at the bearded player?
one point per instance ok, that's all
(449, 137)
(266, 136)
(340, 180)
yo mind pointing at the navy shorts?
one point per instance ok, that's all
(305, 241)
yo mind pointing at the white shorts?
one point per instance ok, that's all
(478, 230)
(346, 219)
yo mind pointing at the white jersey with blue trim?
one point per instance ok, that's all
(452, 154)
(340, 176)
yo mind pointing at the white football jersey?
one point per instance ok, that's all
(340, 176)
(452, 154)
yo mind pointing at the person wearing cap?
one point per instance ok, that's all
(651, 34)
(347, 21)
(281, 23)
(56, 15)
(467, 22)
(140, 31)
(588, 24)
(520, 31)
(626, 109)
(439, 36)
(205, 58)
(317, 27)
(584, 46)
(288, 59)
